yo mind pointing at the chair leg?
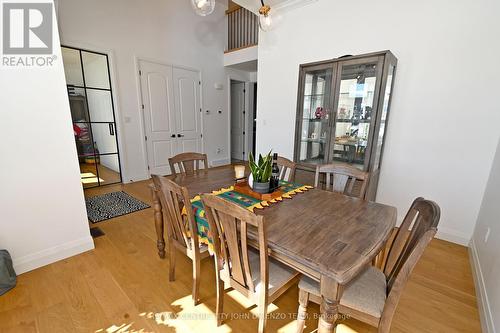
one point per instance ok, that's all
(302, 311)
(196, 280)
(171, 256)
(220, 300)
(262, 317)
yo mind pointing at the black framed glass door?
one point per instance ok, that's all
(92, 111)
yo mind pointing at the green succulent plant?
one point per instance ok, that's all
(261, 171)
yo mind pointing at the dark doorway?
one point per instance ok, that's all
(254, 117)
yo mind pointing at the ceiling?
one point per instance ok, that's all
(249, 66)
(254, 5)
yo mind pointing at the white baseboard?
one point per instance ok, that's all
(453, 236)
(220, 162)
(53, 254)
(482, 295)
(134, 178)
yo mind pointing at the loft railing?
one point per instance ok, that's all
(242, 29)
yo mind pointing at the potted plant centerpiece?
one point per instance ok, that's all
(261, 172)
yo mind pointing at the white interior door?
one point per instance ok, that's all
(188, 110)
(159, 115)
(238, 120)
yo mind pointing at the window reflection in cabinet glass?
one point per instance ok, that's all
(315, 117)
(383, 117)
(354, 113)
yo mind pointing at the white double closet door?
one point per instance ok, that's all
(172, 113)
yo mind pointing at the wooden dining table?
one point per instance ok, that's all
(327, 236)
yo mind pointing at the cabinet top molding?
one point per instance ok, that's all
(350, 57)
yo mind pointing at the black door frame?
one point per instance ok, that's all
(113, 126)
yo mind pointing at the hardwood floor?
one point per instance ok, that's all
(88, 175)
(122, 286)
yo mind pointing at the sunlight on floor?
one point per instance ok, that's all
(89, 178)
(291, 327)
(341, 328)
(166, 318)
(123, 328)
(247, 304)
(87, 175)
(201, 317)
(189, 319)
(288, 328)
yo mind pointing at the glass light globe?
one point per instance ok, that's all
(265, 22)
(203, 7)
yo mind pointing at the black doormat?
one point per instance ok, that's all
(109, 205)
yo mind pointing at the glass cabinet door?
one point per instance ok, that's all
(316, 106)
(383, 117)
(355, 111)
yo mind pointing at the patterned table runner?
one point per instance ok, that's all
(289, 189)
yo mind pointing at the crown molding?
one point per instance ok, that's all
(281, 6)
(292, 4)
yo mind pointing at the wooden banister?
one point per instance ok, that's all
(242, 28)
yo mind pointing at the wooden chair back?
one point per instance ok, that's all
(342, 178)
(415, 233)
(228, 226)
(173, 199)
(287, 169)
(187, 162)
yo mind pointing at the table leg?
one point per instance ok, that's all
(158, 215)
(329, 308)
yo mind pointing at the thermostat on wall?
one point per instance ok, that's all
(218, 86)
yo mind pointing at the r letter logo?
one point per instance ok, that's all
(27, 28)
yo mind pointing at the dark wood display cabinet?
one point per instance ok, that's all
(342, 112)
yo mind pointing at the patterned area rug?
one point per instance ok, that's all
(109, 205)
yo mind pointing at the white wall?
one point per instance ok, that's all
(485, 251)
(445, 83)
(165, 31)
(41, 198)
(241, 56)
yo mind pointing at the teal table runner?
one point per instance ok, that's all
(289, 189)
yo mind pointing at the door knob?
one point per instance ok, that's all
(180, 135)
(172, 136)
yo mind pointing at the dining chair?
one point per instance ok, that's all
(187, 162)
(251, 272)
(180, 228)
(342, 178)
(372, 297)
(287, 169)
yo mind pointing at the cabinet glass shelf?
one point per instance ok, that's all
(361, 121)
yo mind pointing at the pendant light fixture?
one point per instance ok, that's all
(265, 19)
(203, 7)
